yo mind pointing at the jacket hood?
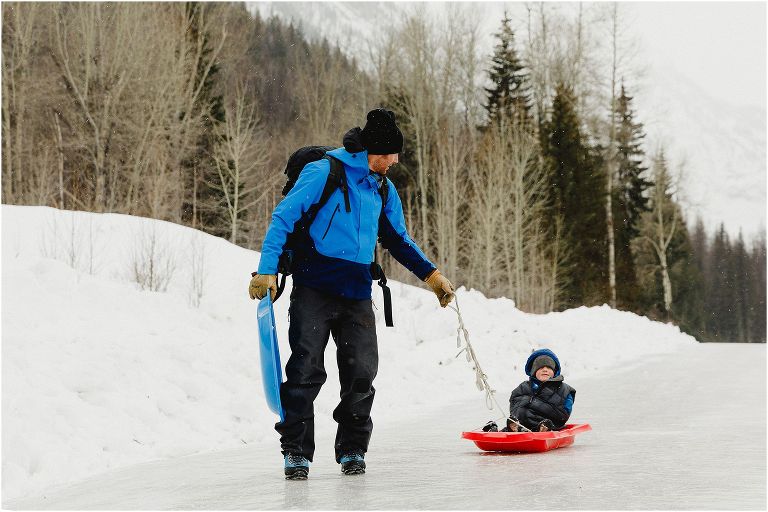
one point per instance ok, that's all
(353, 154)
(353, 140)
(542, 352)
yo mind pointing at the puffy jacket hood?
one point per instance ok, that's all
(541, 352)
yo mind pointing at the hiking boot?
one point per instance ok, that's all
(296, 467)
(491, 426)
(352, 464)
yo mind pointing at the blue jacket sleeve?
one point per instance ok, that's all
(304, 194)
(568, 405)
(394, 237)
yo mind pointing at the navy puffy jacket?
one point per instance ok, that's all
(344, 242)
(532, 401)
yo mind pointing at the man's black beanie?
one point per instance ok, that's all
(381, 136)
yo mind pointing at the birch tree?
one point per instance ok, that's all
(660, 224)
(239, 156)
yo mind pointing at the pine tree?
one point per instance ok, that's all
(203, 207)
(719, 301)
(694, 321)
(739, 268)
(757, 311)
(700, 245)
(686, 279)
(577, 188)
(510, 97)
(629, 197)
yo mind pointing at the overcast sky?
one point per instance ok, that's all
(720, 45)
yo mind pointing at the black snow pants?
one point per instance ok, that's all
(313, 316)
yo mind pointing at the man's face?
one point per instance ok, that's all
(544, 373)
(380, 164)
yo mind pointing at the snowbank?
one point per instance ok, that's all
(98, 373)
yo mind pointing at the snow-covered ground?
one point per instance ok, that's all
(669, 433)
(98, 374)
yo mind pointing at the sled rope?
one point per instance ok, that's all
(481, 379)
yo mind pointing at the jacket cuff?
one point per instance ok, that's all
(267, 267)
(431, 271)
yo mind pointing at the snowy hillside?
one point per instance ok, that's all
(99, 374)
(722, 145)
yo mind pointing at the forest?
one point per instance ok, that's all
(525, 173)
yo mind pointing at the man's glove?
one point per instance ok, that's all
(260, 283)
(441, 286)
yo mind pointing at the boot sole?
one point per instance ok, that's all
(297, 474)
(354, 469)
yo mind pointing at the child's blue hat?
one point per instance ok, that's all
(544, 354)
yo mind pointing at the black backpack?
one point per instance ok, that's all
(337, 178)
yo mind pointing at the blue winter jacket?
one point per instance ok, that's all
(338, 257)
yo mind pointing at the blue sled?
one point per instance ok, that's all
(271, 370)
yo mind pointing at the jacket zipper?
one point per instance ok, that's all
(330, 221)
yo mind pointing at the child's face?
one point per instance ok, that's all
(544, 373)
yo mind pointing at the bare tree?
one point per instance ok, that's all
(611, 163)
(239, 156)
(326, 95)
(198, 258)
(92, 51)
(658, 226)
(152, 259)
(20, 44)
(508, 196)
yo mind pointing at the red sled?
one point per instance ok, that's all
(525, 441)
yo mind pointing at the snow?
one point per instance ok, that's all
(98, 374)
(657, 443)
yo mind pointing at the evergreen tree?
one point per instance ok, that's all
(687, 281)
(695, 321)
(756, 279)
(578, 191)
(699, 245)
(629, 197)
(739, 268)
(203, 207)
(720, 325)
(509, 98)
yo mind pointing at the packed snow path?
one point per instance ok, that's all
(677, 431)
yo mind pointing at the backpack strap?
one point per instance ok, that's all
(377, 272)
(339, 178)
(384, 193)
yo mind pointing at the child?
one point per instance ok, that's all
(543, 402)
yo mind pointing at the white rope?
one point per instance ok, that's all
(481, 379)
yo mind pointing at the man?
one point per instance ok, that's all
(332, 288)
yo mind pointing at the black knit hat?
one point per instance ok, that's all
(381, 136)
(541, 362)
